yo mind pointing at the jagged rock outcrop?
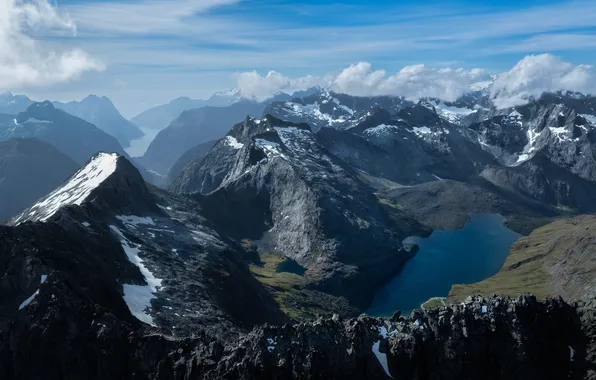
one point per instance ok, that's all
(492, 338)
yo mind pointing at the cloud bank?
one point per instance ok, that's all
(536, 74)
(530, 77)
(23, 60)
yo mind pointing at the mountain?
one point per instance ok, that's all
(546, 151)
(75, 137)
(189, 156)
(328, 109)
(13, 104)
(160, 245)
(102, 113)
(413, 146)
(192, 128)
(161, 116)
(29, 169)
(272, 183)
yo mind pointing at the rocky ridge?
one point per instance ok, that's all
(488, 338)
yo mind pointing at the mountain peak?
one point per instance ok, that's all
(96, 98)
(108, 181)
(46, 104)
(251, 127)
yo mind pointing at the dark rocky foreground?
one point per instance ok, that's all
(495, 338)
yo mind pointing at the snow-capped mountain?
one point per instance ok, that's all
(225, 98)
(101, 112)
(29, 169)
(331, 110)
(154, 248)
(413, 146)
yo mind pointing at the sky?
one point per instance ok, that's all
(142, 53)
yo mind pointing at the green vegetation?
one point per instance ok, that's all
(433, 303)
(528, 266)
(285, 280)
(387, 202)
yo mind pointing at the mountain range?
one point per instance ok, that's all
(278, 222)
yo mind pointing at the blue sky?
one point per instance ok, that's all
(151, 51)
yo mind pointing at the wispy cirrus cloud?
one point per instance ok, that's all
(25, 62)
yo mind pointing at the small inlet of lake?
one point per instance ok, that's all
(446, 257)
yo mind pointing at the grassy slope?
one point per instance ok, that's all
(556, 259)
(290, 289)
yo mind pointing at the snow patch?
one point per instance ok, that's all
(28, 300)
(271, 148)
(421, 131)
(272, 342)
(451, 113)
(313, 111)
(34, 120)
(231, 141)
(380, 130)
(559, 132)
(138, 297)
(76, 190)
(85, 224)
(381, 357)
(590, 118)
(526, 154)
(133, 221)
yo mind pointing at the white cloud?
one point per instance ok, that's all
(530, 77)
(413, 82)
(252, 85)
(24, 61)
(536, 74)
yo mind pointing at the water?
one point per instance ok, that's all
(471, 254)
(138, 147)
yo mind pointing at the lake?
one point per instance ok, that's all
(446, 257)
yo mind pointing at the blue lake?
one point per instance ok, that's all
(471, 254)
